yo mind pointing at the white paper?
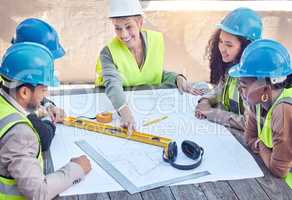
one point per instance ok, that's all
(225, 158)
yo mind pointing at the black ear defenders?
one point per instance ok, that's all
(189, 148)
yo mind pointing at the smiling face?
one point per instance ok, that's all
(229, 46)
(128, 30)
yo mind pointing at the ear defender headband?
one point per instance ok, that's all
(190, 149)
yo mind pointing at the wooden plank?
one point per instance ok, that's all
(100, 196)
(188, 192)
(218, 190)
(274, 187)
(162, 193)
(123, 195)
(75, 197)
(247, 189)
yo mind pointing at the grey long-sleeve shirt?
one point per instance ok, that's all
(113, 81)
(18, 151)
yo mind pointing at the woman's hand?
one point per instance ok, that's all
(185, 86)
(202, 109)
(127, 119)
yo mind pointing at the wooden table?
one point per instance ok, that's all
(264, 188)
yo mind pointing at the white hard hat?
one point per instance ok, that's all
(123, 8)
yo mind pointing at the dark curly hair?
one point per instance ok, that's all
(217, 66)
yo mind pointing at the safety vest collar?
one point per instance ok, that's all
(231, 99)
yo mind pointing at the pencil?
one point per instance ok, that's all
(153, 121)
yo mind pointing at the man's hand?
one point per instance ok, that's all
(57, 114)
(84, 163)
(41, 112)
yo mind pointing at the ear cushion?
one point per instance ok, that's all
(191, 149)
(172, 151)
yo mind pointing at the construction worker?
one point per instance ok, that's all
(265, 73)
(27, 69)
(133, 58)
(38, 31)
(234, 33)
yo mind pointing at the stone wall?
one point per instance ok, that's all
(84, 29)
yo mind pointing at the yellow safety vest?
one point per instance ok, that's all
(265, 132)
(9, 117)
(231, 99)
(152, 69)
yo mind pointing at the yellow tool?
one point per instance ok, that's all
(118, 132)
(153, 121)
(189, 148)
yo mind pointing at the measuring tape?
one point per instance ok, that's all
(105, 117)
(189, 148)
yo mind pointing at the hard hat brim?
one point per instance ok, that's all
(54, 83)
(235, 72)
(117, 15)
(228, 30)
(60, 52)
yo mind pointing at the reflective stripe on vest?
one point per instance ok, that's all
(265, 131)
(151, 71)
(231, 99)
(8, 119)
(9, 116)
(9, 188)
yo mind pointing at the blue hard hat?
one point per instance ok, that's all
(263, 58)
(242, 22)
(30, 63)
(38, 31)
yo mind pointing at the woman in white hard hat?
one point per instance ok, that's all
(134, 57)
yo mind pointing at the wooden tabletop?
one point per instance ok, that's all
(264, 188)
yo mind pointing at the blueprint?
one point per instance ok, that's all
(225, 158)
